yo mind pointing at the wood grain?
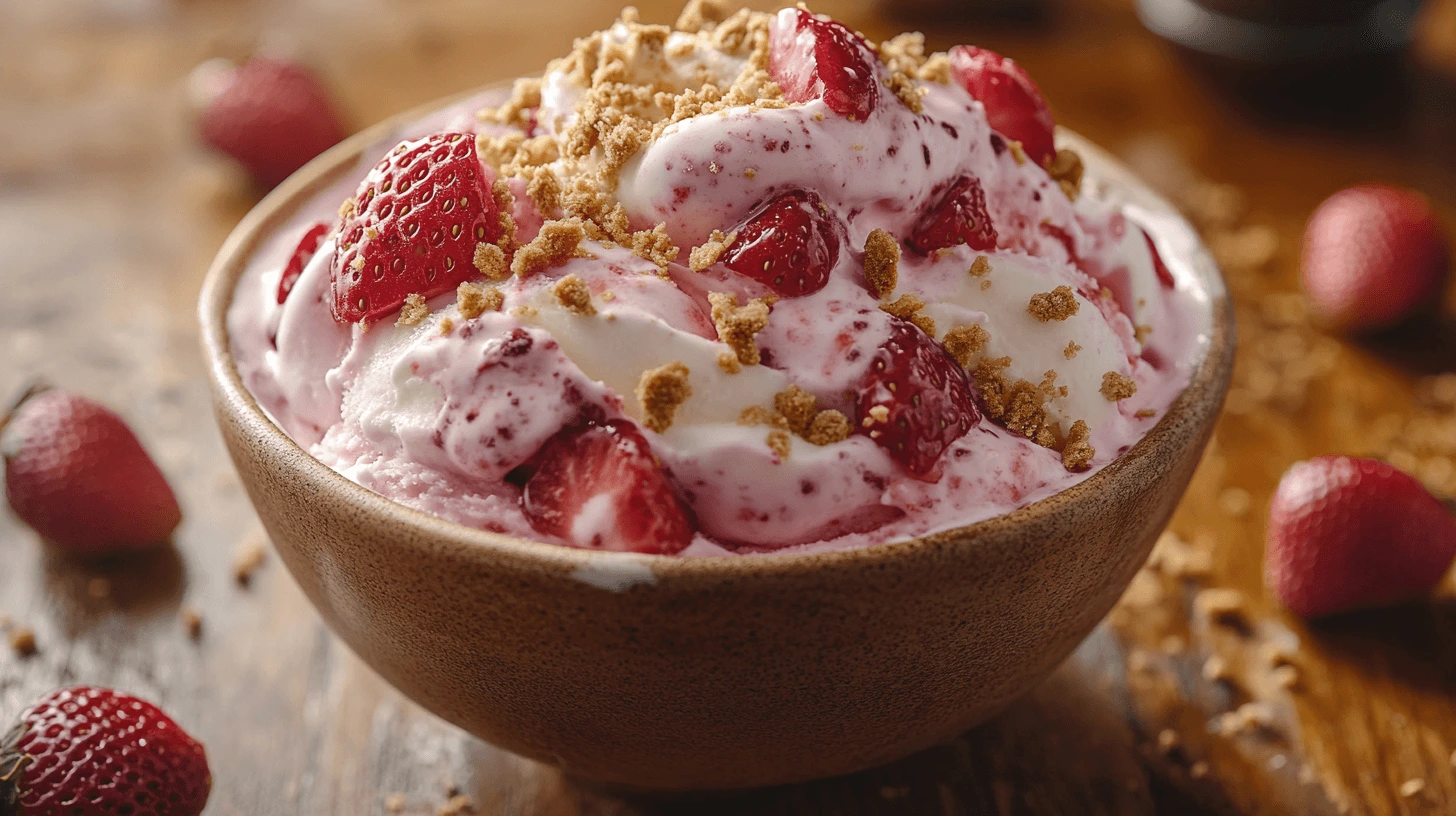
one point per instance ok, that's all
(110, 212)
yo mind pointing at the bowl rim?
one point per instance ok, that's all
(278, 206)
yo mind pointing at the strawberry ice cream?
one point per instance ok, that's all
(745, 284)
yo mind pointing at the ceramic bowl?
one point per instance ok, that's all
(678, 674)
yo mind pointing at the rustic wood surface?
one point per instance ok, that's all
(110, 212)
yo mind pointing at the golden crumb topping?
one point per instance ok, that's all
(446, 326)
(1018, 152)
(980, 267)
(780, 442)
(1145, 413)
(661, 390)
(827, 427)
(738, 325)
(907, 307)
(572, 292)
(1077, 452)
(491, 261)
(708, 253)
(655, 246)
(1058, 304)
(882, 263)
(964, 342)
(728, 361)
(557, 243)
(1070, 352)
(1019, 405)
(475, 299)
(1117, 386)
(506, 204)
(796, 406)
(1066, 169)
(413, 311)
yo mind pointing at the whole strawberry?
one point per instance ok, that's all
(1372, 254)
(96, 752)
(271, 115)
(76, 473)
(1347, 533)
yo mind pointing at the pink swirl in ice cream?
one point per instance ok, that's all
(744, 284)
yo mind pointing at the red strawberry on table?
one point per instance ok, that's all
(417, 219)
(1346, 533)
(599, 487)
(1014, 105)
(308, 244)
(1372, 254)
(959, 217)
(96, 752)
(812, 57)
(915, 400)
(77, 474)
(788, 244)
(269, 114)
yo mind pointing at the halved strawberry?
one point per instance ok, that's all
(418, 217)
(599, 487)
(1014, 105)
(302, 254)
(788, 244)
(811, 56)
(959, 217)
(925, 395)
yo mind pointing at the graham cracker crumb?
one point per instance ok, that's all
(881, 263)
(572, 292)
(755, 415)
(1117, 386)
(749, 173)
(1058, 304)
(191, 622)
(827, 427)
(797, 407)
(1018, 405)
(985, 284)
(557, 243)
(936, 69)
(728, 361)
(446, 326)
(525, 95)
(655, 246)
(908, 307)
(965, 342)
(475, 299)
(524, 311)
(22, 641)
(980, 267)
(780, 442)
(701, 15)
(1145, 413)
(707, 254)
(661, 390)
(738, 325)
(413, 311)
(1077, 452)
(545, 191)
(1017, 152)
(1070, 352)
(1140, 333)
(505, 203)
(1066, 169)
(250, 556)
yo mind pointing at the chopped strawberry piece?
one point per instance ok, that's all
(1347, 533)
(599, 487)
(789, 244)
(925, 395)
(1373, 255)
(77, 474)
(97, 752)
(418, 217)
(302, 254)
(1014, 105)
(959, 217)
(814, 57)
(1164, 276)
(270, 115)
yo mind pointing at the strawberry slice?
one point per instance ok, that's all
(788, 244)
(926, 396)
(1014, 105)
(959, 217)
(302, 254)
(813, 57)
(599, 487)
(418, 217)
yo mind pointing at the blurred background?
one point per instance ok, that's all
(1246, 113)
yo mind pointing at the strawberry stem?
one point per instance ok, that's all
(12, 768)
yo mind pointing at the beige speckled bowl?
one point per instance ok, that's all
(665, 673)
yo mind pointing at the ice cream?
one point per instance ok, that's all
(745, 284)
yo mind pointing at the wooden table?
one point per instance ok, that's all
(110, 212)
